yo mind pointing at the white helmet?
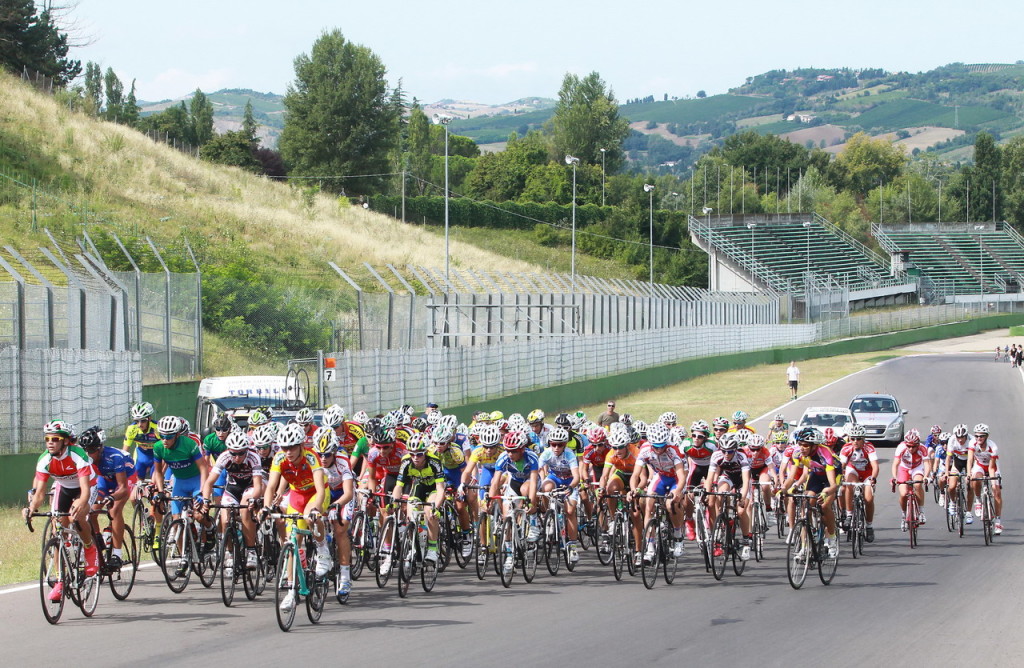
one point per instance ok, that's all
(170, 425)
(333, 416)
(142, 411)
(360, 417)
(668, 417)
(658, 433)
(237, 442)
(489, 434)
(293, 434)
(265, 435)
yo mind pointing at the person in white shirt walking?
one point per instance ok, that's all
(793, 376)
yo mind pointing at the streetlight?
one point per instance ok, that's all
(649, 189)
(807, 226)
(751, 226)
(569, 160)
(444, 120)
(602, 176)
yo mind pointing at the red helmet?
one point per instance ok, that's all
(912, 436)
(514, 440)
(830, 437)
(598, 436)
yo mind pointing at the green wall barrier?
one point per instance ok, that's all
(16, 472)
(173, 398)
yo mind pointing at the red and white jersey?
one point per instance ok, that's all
(984, 456)
(911, 456)
(386, 463)
(699, 454)
(66, 469)
(663, 460)
(958, 449)
(761, 457)
(858, 458)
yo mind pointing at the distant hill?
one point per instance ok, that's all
(229, 107)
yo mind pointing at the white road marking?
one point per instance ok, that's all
(35, 585)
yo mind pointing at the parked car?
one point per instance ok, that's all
(824, 417)
(881, 416)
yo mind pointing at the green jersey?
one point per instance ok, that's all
(213, 446)
(182, 457)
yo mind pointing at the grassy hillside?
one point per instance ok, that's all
(691, 111)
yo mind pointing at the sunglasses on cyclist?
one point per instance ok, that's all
(53, 439)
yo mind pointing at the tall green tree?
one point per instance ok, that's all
(340, 118)
(249, 124)
(418, 148)
(93, 88)
(867, 162)
(986, 193)
(586, 120)
(114, 91)
(201, 115)
(30, 38)
(130, 108)
(1013, 181)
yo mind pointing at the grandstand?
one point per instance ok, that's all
(795, 254)
(956, 260)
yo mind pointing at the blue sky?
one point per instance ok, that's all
(497, 52)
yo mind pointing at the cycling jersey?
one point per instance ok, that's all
(958, 449)
(539, 441)
(596, 456)
(910, 456)
(983, 457)
(213, 445)
(337, 473)
(721, 463)
(483, 459)
(142, 440)
(299, 475)
(818, 461)
(239, 473)
(699, 454)
(735, 430)
(362, 447)
(67, 469)
(518, 471)
(560, 465)
(350, 433)
(429, 474)
(859, 459)
(623, 464)
(778, 435)
(452, 458)
(182, 457)
(759, 458)
(386, 463)
(663, 460)
(113, 461)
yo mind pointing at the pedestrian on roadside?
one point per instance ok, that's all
(793, 376)
(609, 417)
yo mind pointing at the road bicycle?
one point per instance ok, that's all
(955, 519)
(411, 547)
(187, 547)
(988, 506)
(143, 523)
(268, 549)
(514, 548)
(120, 577)
(725, 537)
(857, 531)
(912, 513)
(296, 573)
(758, 522)
(362, 536)
(486, 537)
(702, 526)
(232, 560)
(556, 545)
(62, 570)
(657, 544)
(621, 543)
(807, 543)
(450, 539)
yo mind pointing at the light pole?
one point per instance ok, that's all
(751, 226)
(444, 120)
(602, 176)
(807, 226)
(570, 160)
(649, 189)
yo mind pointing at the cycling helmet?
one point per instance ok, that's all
(944, 437)
(960, 430)
(830, 437)
(495, 416)
(223, 423)
(59, 427)
(333, 416)
(857, 431)
(142, 411)
(740, 438)
(563, 420)
(657, 434)
(256, 418)
(668, 418)
(393, 419)
(434, 417)
(720, 423)
(264, 436)
(304, 416)
(598, 436)
(516, 422)
(453, 422)
(810, 435)
(386, 436)
(481, 416)
(740, 416)
(514, 440)
(292, 435)
(360, 417)
(171, 425)
(489, 435)
(417, 443)
(700, 426)
(729, 443)
(912, 436)
(619, 438)
(92, 439)
(325, 442)
(237, 442)
(755, 441)
(419, 424)
(558, 435)
(535, 416)
(981, 428)
(462, 428)
(625, 419)
(639, 429)
(579, 421)
(502, 425)
(936, 429)
(442, 433)
(778, 418)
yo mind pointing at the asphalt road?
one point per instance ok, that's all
(951, 601)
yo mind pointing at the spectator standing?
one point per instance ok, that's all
(793, 376)
(609, 417)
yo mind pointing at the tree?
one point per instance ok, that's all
(988, 167)
(419, 147)
(93, 88)
(340, 119)
(701, 94)
(586, 120)
(767, 154)
(249, 124)
(130, 108)
(1013, 181)
(866, 162)
(232, 148)
(115, 95)
(201, 116)
(31, 39)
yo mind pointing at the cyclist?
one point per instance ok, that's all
(516, 472)
(425, 476)
(762, 469)
(480, 467)
(72, 472)
(453, 462)
(937, 453)
(739, 423)
(114, 482)
(179, 452)
(340, 484)
(618, 469)
(241, 470)
(560, 470)
(778, 432)
(214, 444)
(666, 471)
(983, 462)
(698, 450)
(142, 433)
(729, 470)
(957, 452)
(306, 480)
(304, 418)
(592, 465)
(910, 462)
(860, 464)
(812, 465)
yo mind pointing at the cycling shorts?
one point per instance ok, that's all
(817, 482)
(960, 464)
(851, 474)
(661, 485)
(735, 480)
(421, 492)
(63, 497)
(903, 474)
(185, 487)
(233, 494)
(452, 478)
(144, 462)
(222, 481)
(486, 475)
(696, 475)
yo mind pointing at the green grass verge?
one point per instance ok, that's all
(1017, 331)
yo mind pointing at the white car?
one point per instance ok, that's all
(881, 416)
(823, 417)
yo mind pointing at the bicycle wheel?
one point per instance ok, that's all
(583, 527)
(251, 577)
(51, 575)
(230, 561)
(757, 539)
(618, 550)
(529, 556)
(719, 546)
(406, 557)
(506, 552)
(208, 563)
(856, 535)
(911, 517)
(780, 518)
(605, 554)
(138, 526)
(669, 562)
(482, 545)
(267, 551)
(285, 584)
(798, 554)
(123, 579)
(827, 565)
(950, 517)
(428, 570)
(160, 538)
(457, 537)
(961, 509)
(987, 514)
(175, 559)
(632, 550)
(649, 562)
(936, 492)
(444, 538)
(384, 549)
(317, 590)
(552, 549)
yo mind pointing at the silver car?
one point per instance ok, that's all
(880, 415)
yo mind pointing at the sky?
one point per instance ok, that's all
(492, 53)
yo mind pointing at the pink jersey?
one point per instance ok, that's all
(911, 456)
(858, 458)
(663, 461)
